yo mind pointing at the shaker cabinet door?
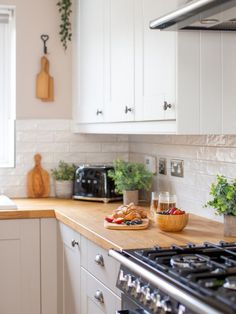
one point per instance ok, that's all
(70, 270)
(120, 50)
(89, 61)
(155, 64)
(19, 266)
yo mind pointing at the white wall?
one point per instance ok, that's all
(33, 18)
(204, 157)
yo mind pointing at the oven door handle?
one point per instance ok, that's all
(165, 286)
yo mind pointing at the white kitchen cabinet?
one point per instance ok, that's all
(155, 64)
(89, 61)
(69, 270)
(20, 266)
(124, 71)
(96, 297)
(120, 48)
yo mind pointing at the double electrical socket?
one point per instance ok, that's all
(176, 166)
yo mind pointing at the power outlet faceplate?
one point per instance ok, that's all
(150, 163)
(162, 166)
(177, 168)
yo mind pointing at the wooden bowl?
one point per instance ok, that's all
(172, 223)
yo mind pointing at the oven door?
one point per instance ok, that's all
(130, 307)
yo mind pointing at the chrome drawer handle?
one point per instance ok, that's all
(166, 105)
(99, 296)
(99, 259)
(74, 243)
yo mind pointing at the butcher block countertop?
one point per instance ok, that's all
(87, 219)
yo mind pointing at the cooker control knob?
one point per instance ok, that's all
(156, 300)
(131, 281)
(122, 277)
(146, 294)
(166, 306)
(138, 288)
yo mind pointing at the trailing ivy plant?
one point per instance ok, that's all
(64, 7)
(223, 195)
(130, 176)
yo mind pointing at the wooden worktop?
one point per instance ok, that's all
(87, 218)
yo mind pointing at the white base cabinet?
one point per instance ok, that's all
(20, 266)
(69, 270)
(96, 297)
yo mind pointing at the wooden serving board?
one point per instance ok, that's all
(114, 226)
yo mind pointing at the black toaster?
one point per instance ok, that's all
(93, 184)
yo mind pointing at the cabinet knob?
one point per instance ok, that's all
(99, 259)
(166, 105)
(74, 243)
(99, 112)
(128, 109)
(99, 296)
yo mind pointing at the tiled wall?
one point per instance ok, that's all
(54, 140)
(204, 157)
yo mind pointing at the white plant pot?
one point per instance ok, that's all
(63, 189)
(130, 197)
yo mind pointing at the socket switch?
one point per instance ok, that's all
(177, 168)
(150, 163)
(162, 166)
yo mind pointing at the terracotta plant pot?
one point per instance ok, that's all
(230, 226)
(130, 197)
(63, 189)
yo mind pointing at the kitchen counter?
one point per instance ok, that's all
(87, 219)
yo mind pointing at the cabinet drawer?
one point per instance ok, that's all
(99, 264)
(95, 297)
(69, 237)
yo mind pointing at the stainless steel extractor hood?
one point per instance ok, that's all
(219, 15)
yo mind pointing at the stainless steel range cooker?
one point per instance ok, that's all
(179, 280)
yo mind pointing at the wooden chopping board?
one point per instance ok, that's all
(42, 81)
(115, 226)
(38, 181)
(50, 85)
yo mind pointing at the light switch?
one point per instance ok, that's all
(177, 168)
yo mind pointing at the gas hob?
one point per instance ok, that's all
(190, 279)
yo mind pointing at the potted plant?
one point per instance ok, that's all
(129, 178)
(224, 202)
(63, 177)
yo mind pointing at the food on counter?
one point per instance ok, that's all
(128, 214)
(172, 211)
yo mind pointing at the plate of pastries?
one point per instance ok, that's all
(127, 217)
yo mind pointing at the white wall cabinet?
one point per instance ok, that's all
(89, 61)
(125, 70)
(20, 266)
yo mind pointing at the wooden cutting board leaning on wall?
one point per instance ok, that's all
(38, 180)
(45, 82)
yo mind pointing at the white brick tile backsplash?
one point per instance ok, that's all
(54, 140)
(204, 156)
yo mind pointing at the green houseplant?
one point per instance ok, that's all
(63, 177)
(129, 177)
(223, 200)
